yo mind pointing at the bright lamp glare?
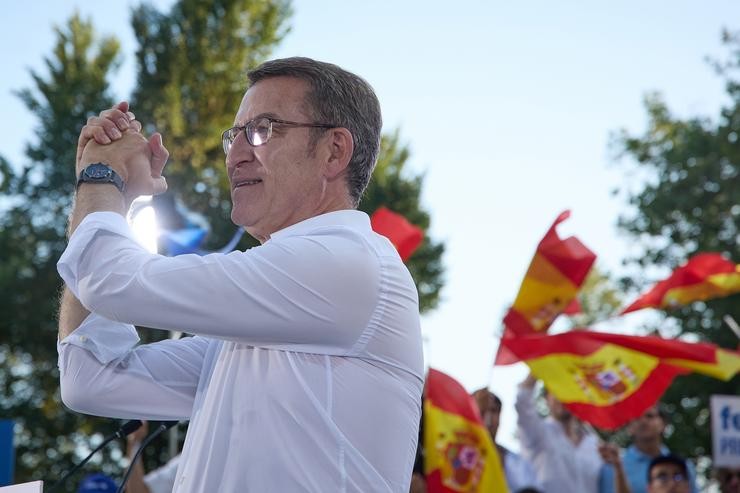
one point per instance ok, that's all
(144, 225)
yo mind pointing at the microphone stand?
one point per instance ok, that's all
(126, 429)
(166, 425)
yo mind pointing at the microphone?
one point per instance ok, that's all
(127, 428)
(166, 425)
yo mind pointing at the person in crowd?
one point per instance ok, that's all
(646, 433)
(292, 337)
(611, 455)
(728, 479)
(667, 474)
(418, 483)
(160, 480)
(563, 452)
(97, 483)
(519, 472)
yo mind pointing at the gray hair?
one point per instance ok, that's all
(340, 98)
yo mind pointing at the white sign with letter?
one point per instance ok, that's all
(725, 430)
(32, 487)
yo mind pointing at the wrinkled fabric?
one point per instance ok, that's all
(561, 466)
(305, 372)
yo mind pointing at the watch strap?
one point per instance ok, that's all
(90, 172)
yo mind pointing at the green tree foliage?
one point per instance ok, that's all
(192, 65)
(37, 197)
(191, 77)
(391, 188)
(600, 298)
(686, 200)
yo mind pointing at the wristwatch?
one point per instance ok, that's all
(100, 173)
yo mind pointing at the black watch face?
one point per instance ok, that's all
(98, 171)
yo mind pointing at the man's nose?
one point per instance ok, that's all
(241, 151)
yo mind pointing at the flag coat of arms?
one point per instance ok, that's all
(610, 379)
(460, 455)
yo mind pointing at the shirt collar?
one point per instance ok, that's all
(640, 456)
(351, 218)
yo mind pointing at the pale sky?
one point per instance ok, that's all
(507, 108)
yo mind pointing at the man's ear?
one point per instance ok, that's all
(341, 147)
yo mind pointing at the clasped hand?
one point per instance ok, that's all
(114, 138)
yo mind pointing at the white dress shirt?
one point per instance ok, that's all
(561, 466)
(519, 472)
(306, 369)
(162, 479)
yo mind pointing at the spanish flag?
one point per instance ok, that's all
(704, 276)
(553, 279)
(459, 453)
(549, 288)
(405, 236)
(610, 379)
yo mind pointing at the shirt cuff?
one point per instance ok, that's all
(92, 224)
(105, 339)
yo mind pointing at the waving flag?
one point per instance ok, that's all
(459, 453)
(573, 308)
(405, 236)
(549, 288)
(609, 379)
(555, 274)
(704, 276)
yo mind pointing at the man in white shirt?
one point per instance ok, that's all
(305, 372)
(564, 455)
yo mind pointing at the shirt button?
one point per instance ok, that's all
(83, 338)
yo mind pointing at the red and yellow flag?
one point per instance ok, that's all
(573, 308)
(610, 379)
(405, 236)
(555, 274)
(459, 453)
(704, 276)
(553, 279)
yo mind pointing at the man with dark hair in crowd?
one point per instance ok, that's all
(647, 444)
(728, 479)
(667, 474)
(520, 475)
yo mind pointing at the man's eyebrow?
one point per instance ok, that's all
(267, 114)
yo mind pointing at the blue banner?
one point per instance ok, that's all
(7, 452)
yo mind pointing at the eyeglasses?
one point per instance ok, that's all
(664, 478)
(259, 130)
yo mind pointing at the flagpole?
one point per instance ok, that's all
(591, 429)
(732, 325)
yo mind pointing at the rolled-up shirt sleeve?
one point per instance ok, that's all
(294, 292)
(104, 372)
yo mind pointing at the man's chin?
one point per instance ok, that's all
(241, 219)
(251, 229)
